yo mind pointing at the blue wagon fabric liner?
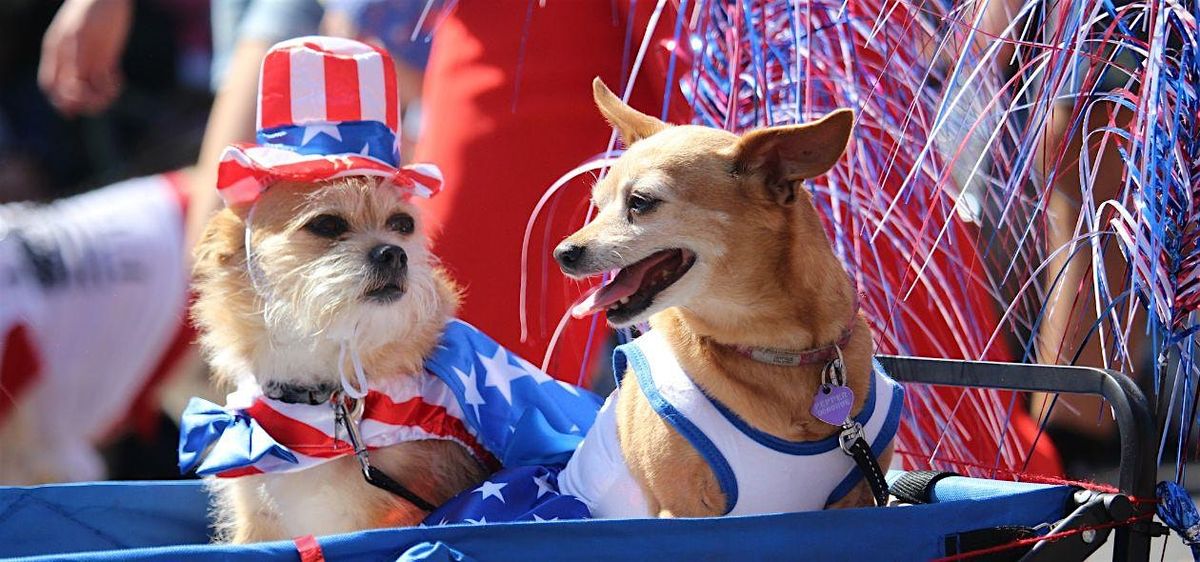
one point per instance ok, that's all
(155, 521)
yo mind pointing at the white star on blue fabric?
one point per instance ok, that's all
(543, 486)
(491, 489)
(496, 371)
(480, 521)
(470, 389)
(533, 371)
(540, 520)
(311, 131)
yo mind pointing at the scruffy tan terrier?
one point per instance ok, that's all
(340, 259)
(315, 275)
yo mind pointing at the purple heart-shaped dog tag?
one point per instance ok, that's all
(832, 404)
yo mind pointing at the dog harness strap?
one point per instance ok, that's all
(755, 470)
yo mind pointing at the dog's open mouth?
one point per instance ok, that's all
(631, 290)
(385, 293)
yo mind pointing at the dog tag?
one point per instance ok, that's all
(832, 404)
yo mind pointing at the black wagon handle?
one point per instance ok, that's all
(1134, 423)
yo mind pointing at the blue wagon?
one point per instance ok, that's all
(951, 516)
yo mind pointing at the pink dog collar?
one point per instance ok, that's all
(799, 357)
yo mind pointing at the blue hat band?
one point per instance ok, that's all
(366, 138)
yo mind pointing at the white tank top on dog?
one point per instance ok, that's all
(757, 472)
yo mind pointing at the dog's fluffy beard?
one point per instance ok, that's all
(322, 296)
(305, 294)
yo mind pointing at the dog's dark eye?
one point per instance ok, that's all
(327, 226)
(402, 223)
(641, 204)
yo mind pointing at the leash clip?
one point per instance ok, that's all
(348, 419)
(851, 431)
(834, 373)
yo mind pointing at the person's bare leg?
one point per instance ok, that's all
(1071, 308)
(231, 120)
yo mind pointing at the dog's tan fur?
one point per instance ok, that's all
(765, 275)
(289, 330)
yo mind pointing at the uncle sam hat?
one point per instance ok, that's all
(327, 108)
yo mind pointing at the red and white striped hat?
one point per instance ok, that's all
(327, 108)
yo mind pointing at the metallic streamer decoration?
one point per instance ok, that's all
(945, 208)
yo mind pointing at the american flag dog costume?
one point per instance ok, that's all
(328, 108)
(474, 392)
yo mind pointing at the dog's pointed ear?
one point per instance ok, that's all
(790, 153)
(630, 123)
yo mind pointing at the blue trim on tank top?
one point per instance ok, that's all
(793, 447)
(708, 450)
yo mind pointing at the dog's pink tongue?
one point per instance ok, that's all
(599, 297)
(623, 283)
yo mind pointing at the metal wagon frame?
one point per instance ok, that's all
(1135, 426)
(167, 521)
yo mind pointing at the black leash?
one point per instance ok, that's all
(377, 478)
(852, 439)
(372, 474)
(313, 395)
(854, 444)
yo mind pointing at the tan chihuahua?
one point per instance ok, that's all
(758, 369)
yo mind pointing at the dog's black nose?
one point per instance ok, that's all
(569, 255)
(387, 255)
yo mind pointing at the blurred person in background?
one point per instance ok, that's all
(522, 93)
(93, 313)
(1074, 130)
(49, 153)
(88, 316)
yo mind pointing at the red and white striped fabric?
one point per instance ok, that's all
(396, 411)
(247, 170)
(315, 80)
(327, 108)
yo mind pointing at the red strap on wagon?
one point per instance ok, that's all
(309, 549)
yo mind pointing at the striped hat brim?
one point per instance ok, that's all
(246, 170)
